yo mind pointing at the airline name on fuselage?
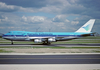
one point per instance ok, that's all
(39, 34)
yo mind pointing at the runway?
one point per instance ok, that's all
(51, 59)
(49, 66)
(64, 45)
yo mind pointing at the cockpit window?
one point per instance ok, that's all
(10, 32)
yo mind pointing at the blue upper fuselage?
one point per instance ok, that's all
(43, 34)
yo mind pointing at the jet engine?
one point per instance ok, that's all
(51, 39)
(37, 40)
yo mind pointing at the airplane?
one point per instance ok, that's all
(48, 37)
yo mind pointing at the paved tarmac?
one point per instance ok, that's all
(64, 45)
(51, 59)
(49, 66)
(76, 45)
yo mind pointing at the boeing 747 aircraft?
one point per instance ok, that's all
(48, 37)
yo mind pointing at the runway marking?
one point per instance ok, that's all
(47, 58)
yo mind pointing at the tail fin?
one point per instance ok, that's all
(87, 27)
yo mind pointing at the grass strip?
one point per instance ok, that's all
(70, 47)
(59, 42)
(3, 51)
(55, 47)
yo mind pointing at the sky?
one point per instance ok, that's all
(48, 15)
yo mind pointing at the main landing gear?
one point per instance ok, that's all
(46, 43)
(12, 42)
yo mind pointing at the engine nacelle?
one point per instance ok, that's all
(51, 39)
(37, 40)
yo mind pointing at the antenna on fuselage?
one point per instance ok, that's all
(50, 29)
(37, 29)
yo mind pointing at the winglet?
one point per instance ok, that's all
(87, 27)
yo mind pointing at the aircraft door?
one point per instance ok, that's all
(27, 37)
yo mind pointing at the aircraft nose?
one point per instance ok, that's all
(1, 35)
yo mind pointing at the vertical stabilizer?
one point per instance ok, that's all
(87, 27)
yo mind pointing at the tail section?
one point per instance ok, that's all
(87, 27)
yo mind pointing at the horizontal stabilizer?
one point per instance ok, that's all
(89, 34)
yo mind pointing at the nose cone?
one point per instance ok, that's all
(1, 35)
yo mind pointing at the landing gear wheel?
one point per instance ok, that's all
(12, 42)
(46, 43)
